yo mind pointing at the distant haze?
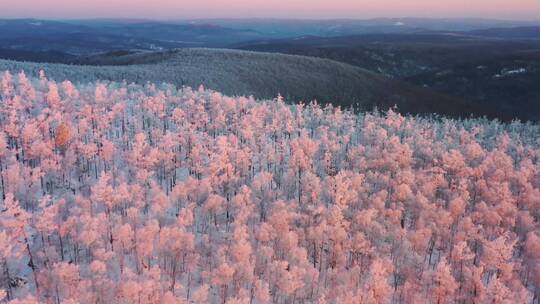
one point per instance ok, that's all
(185, 9)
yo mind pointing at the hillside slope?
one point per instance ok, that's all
(464, 66)
(262, 75)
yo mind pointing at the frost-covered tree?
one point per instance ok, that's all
(116, 193)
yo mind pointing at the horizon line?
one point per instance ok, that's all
(465, 18)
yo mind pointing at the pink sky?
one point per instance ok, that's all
(171, 9)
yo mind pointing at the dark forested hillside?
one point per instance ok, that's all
(492, 69)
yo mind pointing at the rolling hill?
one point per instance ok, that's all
(486, 67)
(263, 75)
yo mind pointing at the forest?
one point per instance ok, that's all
(129, 193)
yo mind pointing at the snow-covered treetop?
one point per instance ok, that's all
(116, 193)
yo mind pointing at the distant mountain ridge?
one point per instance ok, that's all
(342, 27)
(522, 32)
(101, 35)
(87, 37)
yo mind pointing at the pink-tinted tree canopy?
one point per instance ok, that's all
(116, 193)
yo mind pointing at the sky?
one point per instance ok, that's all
(189, 9)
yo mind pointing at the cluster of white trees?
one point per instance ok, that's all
(114, 193)
(232, 72)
